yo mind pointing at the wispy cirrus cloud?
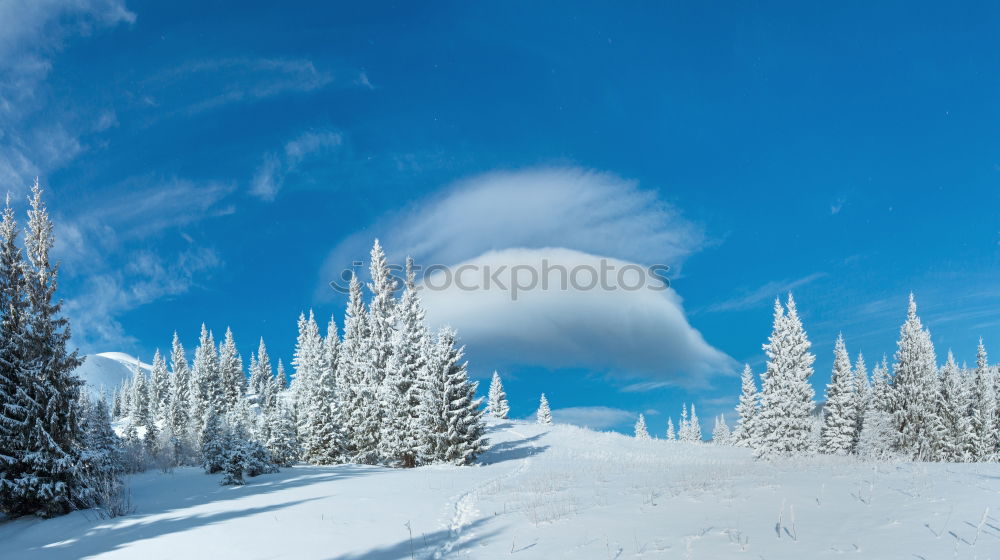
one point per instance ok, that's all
(763, 294)
(31, 33)
(236, 80)
(148, 277)
(269, 177)
(113, 271)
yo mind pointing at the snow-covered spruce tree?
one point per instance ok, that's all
(463, 439)
(214, 441)
(116, 403)
(179, 416)
(265, 385)
(140, 396)
(694, 427)
(544, 414)
(44, 477)
(159, 388)
(151, 442)
(135, 456)
(720, 432)
(381, 332)
(954, 424)
(403, 434)
(684, 430)
(208, 393)
(103, 460)
(839, 414)
(14, 392)
(878, 433)
(862, 394)
(914, 387)
(984, 409)
(496, 404)
(641, 432)
(315, 396)
(671, 436)
(783, 425)
(281, 377)
(746, 409)
(352, 364)
(126, 393)
(323, 444)
(258, 374)
(231, 371)
(281, 442)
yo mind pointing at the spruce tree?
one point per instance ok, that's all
(862, 394)
(208, 393)
(720, 432)
(497, 405)
(179, 415)
(877, 431)
(984, 408)
(914, 387)
(953, 404)
(671, 436)
(746, 409)
(281, 442)
(45, 477)
(684, 431)
(262, 380)
(356, 397)
(323, 444)
(14, 391)
(231, 372)
(103, 460)
(404, 429)
(641, 432)
(544, 414)
(694, 426)
(315, 396)
(370, 417)
(464, 432)
(214, 441)
(839, 414)
(783, 425)
(140, 396)
(159, 388)
(281, 379)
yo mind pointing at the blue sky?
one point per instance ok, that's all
(218, 162)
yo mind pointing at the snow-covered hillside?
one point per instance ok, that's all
(105, 371)
(549, 492)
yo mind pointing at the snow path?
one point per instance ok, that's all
(465, 506)
(548, 492)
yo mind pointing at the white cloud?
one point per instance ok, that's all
(94, 312)
(765, 293)
(597, 213)
(30, 33)
(111, 270)
(626, 333)
(593, 417)
(571, 217)
(203, 85)
(270, 175)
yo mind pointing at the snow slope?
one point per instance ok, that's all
(107, 370)
(549, 492)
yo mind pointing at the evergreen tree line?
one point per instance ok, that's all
(57, 450)
(913, 409)
(386, 391)
(689, 429)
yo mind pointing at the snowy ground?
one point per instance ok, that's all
(549, 492)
